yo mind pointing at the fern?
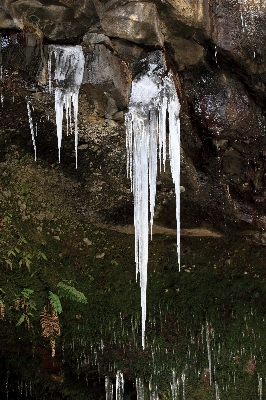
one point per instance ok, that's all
(27, 293)
(71, 293)
(55, 302)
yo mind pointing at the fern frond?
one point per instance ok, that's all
(27, 293)
(55, 302)
(71, 293)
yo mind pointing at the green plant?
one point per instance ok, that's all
(71, 293)
(25, 191)
(25, 259)
(27, 305)
(55, 302)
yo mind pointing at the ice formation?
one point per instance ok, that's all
(119, 386)
(140, 389)
(174, 386)
(109, 388)
(153, 101)
(250, 13)
(29, 106)
(68, 75)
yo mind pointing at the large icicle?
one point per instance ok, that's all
(68, 74)
(152, 96)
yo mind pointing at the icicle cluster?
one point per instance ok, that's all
(250, 12)
(153, 100)
(68, 74)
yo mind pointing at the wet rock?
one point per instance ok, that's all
(136, 21)
(106, 80)
(83, 146)
(97, 38)
(6, 21)
(250, 367)
(87, 241)
(54, 22)
(185, 52)
(101, 255)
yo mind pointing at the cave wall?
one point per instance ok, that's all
(217, 54)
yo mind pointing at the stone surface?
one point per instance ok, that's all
(136, 21)
(50, 20)
(106, 80)
(185, 52)
(6, 21)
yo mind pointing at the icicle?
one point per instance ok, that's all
(183, 377)
(68, 74)
(119, 385)
(152, 96)
(140, 389)
(208, 342)
(174, 386)
(174, 147)
(29, 105)
(217, 395)
(260, 387)
(153, 391)
(108, 388)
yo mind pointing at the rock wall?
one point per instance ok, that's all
(216, 51)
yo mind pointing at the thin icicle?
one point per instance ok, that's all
(152, 96)
(108, 388)
(29, 106)
(260, 386)
(119, 385)
(153, 391)
(140, 389)
(174, 386)
(68, 74)
(174, 148)
(208, 342)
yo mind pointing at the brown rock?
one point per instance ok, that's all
(250, 366)
(137, 22)
(106, 80)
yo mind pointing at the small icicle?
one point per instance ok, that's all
(208, 342)
(109, 388)
(119, 385)
(217, 395)
(29, 105)
(69, 69)
(153, 391)
(260, 387)
(140, 389)
(174, 386)
(183, 377)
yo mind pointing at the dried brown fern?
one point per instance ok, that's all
(50, 326)
(2, 309)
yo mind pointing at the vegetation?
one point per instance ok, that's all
(66, 313)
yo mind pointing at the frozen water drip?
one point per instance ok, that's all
(153, 103)
(68, 75)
